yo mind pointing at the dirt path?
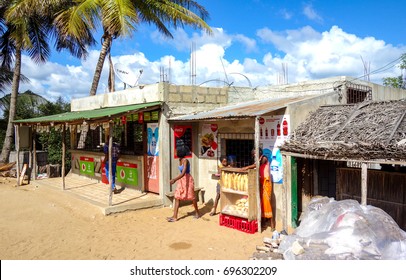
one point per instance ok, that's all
(41, 223)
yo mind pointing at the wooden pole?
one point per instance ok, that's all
(17, 144)
(259, 214)
(34, 151)
(110, 162)
(285, 194)
(364, 180)
(63, 156)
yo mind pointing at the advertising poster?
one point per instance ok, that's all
(86, 166)
(153, 133)
(152, 168)
(127, 173)
(183, 139)
(273, 131)
(208, 141)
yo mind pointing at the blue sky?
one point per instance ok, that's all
(256, 38)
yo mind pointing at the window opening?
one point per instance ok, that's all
(237, 147)
(358, 93)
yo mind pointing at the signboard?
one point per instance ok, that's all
(183, 139)
(273, 131)
(127, 173)
(153, 133)
(86, 166)
(208, 141)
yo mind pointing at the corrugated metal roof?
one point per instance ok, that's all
(79, 116)
(242, 110)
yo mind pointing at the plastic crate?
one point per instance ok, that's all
(238, 223)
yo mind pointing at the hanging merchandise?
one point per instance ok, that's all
(123, 119)
(140, 117)
(147, 116)
(154, 115)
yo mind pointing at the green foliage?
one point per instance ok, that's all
(399, 81)
(52, 142)
(395, 82)
(31, 105)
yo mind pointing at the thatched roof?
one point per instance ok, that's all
(362, 131)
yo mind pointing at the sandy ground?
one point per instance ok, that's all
(41, 223)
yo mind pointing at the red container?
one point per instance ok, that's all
(238, 223)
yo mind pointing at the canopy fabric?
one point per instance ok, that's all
(90, 115)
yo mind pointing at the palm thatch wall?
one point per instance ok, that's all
(362, 131)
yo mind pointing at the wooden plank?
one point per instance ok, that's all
(395, 128)
(22, 174)
(364, 181)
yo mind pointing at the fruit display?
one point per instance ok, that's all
(234, 181)
(240, 208)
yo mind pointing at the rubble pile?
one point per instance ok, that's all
(344, 230)
(269, 250)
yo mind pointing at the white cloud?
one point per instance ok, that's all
(311, 14)
(285, 14)
(307, 53)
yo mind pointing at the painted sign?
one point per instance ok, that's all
(127, 173)
(153, 133)
(273, 131)
(183, 139)
(86, 166)
(208, 141)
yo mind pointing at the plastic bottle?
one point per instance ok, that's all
(285, 127)
(278, 129)
(266, 133)
(260, 132)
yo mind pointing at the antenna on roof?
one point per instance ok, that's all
(367, 69)
(193, 64)
(126, 75)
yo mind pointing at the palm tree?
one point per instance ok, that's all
(119, 18)
(27, 26)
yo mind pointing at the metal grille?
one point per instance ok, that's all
(237, 147)
(358, 93)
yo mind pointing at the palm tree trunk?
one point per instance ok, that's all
(5, 153)
(99, 67)
(112, 87)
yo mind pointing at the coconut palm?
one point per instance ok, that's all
(119, 18)
(27, 25)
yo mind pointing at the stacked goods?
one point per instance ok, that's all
(234, 181)
(240, 208)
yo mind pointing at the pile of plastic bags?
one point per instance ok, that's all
(344, 229)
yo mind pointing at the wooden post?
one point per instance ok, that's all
(364, 180)
(259, 213)
(110, 162)
(284, 194)
(17, 145)
(34, 151)
(63, 156)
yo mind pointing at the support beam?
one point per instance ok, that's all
(34, 151)
(63, 156)
(259, 214)
(364, 180)
(17, 145)
(110, 162)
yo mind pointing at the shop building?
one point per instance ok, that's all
(151, 121)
